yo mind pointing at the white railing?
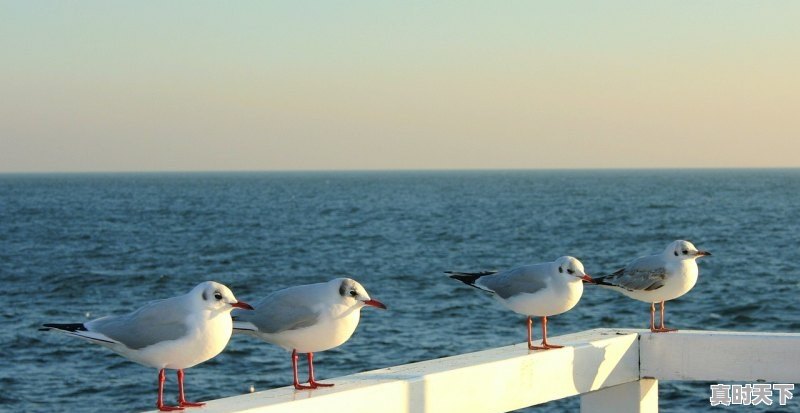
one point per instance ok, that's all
(614, 370)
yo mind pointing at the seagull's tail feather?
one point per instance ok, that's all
(243, 326)
(469, 278)
(78, 330)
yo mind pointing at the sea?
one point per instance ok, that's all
(74, 247)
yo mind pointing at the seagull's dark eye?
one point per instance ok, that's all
(685, 252)
(353, 293)
(560, 269)
(676, 253)
(571, 271)
(217, 295)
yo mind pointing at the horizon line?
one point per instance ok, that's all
(361, 170)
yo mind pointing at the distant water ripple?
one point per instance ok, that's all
(75, 247)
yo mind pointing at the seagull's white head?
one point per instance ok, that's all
(683, 250)
(353, 293)
(571, 267)
(214, 296)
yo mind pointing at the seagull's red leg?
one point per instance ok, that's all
(297, 384)
(311, 379)
(160, 403)
(663, 329)
(653, 318)
(182, 397)
(545, 344)
(530, 344)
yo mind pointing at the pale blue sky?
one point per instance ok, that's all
(158, 86)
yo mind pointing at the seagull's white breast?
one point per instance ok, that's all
(208, 334)
(334, 327)
(681, 277)
(560, 296)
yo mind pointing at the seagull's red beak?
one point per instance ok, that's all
(375, 303)
(243, 305)
(703, 254)
(587, 278)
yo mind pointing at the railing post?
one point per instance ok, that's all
(636, 397)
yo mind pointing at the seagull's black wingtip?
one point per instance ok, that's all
(71, 327)
(465, 278)
(599, 281)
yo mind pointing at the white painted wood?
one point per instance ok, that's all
(495, 380)
(508, 378)
(721, 355)
(634, 397)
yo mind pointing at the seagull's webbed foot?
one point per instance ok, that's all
(299, 386)
(545, 346)
(166, 408)
(184, 403)
(311, 385)
(662, 330)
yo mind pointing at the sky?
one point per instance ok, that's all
(297, 85)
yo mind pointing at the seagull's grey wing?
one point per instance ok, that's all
(157, 321)
(282, 310)
(643, 274)
(528, 279)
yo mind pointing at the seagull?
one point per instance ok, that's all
(537, 290)
(175, 333)
(657, 278)
(307, 319)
